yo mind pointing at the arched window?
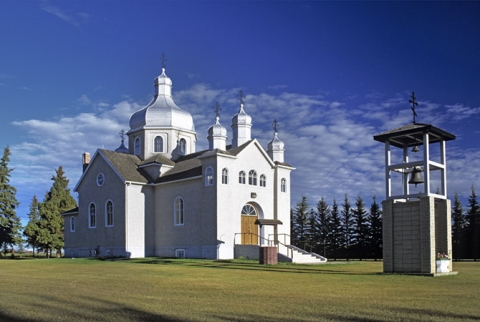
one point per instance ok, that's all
(283, 185)
(241, 177)
(252, 178)
(109, 214)
(249, 210)
(158, 144)
(72, 224)
(92, 217)
(263, 181)
(178, 211)
(136, 150)
(225, 176)
(183, 147)
(209, 176)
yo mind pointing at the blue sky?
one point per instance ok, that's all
(332, 73)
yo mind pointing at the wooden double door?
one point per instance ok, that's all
(249, 229)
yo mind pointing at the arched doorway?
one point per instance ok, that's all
(249, 229)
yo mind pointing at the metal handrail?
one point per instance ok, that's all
(269, 242)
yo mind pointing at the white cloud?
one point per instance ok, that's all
(73, 19)
(330, 143)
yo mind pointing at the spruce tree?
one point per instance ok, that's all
(348, 225)
(57, 201)
(32, 230)
(299, 223)
(473, 214)
(312, 231)
(375, 239)
(324, 225)
(10, 224)
(335, 238)
(458, 228)
(360, 232)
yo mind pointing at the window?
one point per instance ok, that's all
(241, 177)
(252, 178)
(183, 147)
(249, 210)
(209, 176)
(92, 217)
(72, 224)
(263, 181)
(158, 144)
(178, 211)
(137, 146)
(180, 253)
(225, 176)
(283, 185)
(109, 214)
(100, 179)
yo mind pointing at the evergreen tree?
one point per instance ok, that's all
(51, 225)
(361, 227)
(324, 226)
(10, 224)
(31, 231)
(473, 214)
(348, 226)
(299, 225)
(335, 237)
(458, 228)
(312, 231)
(375, 231)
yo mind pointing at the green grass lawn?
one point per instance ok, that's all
(199, 290)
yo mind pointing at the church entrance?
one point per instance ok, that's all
(249, 229)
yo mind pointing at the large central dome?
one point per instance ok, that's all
(162, 112)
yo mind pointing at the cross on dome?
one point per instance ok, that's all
(122, 135)
(163, 58)
(217, 109)
(275, 125)
(241, 96)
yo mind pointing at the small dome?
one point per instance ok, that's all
(217, 129)
(162, 110)
(275, 144)
(122, 148)
(241, 117)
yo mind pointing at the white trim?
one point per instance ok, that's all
(182, 223)
(98, 178)
(89, 215)
(180, 253)
(72, 218)
(106, 213)
(209, 180)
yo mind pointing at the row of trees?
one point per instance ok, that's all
(44, 231)
(466, 228)
(338, 231)
(352, 232)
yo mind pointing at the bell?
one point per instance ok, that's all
(415, 149)
(416, 176)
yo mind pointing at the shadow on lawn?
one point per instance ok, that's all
(248, 265)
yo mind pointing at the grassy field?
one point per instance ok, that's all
(198, 290)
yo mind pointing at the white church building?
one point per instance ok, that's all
(161, 197)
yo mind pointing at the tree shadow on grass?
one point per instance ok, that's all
(250, 265)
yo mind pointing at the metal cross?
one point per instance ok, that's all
(217, 109)
(122, 135)
(163, 59)
(241, 96)
(414, 103)
(275, 125)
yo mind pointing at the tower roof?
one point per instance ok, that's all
(412, 134)
(162, 111)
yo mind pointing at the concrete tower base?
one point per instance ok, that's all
(414, 232)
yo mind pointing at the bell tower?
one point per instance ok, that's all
(416, 212)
